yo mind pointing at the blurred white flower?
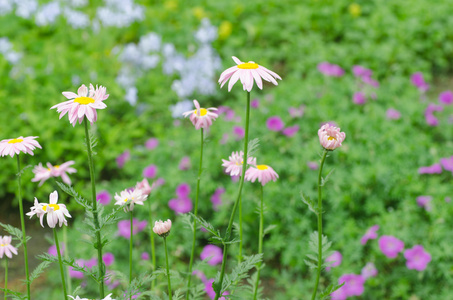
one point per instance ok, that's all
(47, 13)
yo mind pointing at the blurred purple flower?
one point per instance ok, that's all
(183, 190)
(446, 97)
(447, 163)
(275, 123)
(312, 165)
(329, 69)
(184, 164)
(122, 158)
(370, 234)
(360, 71)
(390, 245)
(144, 256)
(224, 139)
(425, 202)
(200, 275)
(432, 108)
(239, 132)
(296, 112)
(447, 199)
(210, 291)
(290, 131)
(335, 258)
(108, 258)
(214, 252)
(124, 227)
(180, 205)
(216, 198)
(91, 263)
(370, 81)
(103, 197)
(434, 169)
(255, 103)
(77, 274)
(53, 250)
(353, 284)
(150, 171)
(418, 81)
(151, 143)
(393, 114)
(369, 271)
(358, 98)
(431, 120)
(417, 258)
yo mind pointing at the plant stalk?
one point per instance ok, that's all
(168, 269)
(260, 242)
(63, 281)
(153, 251)
(6, 276)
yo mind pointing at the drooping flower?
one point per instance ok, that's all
(6, 248)
(130, 198)
(417, 258)
(162, 228)
(201, 117)
(329, 69)
(124, 227)
(330, 137)
(392, 114)
(150, 171)
(370, 234)
(83, 104)
(335, 258)
(42, 174)
(234, 163)
(55, 212)
(263, 173)
(248, 73)
(390, 245)
(369, 271)
(425, 202)
(446, 97)
(275, 123)
(17, 145)
(214, 253)
(103, 197)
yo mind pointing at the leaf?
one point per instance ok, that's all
(269, 229)
(314, 249)
(329, 290)
(324, 180)
(203, 224)
(15, 295)
(253, 146)
(39, 270)
(311, 205)
(71, 192)
(16, 232)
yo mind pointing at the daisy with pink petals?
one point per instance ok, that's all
(83, 104)
(201, 117)
(330, 137)
(42, 173)
(247, 73)
(55, 212)
(263, 173)
(130, 198)
(6, 248)
(20, 144)
(234, 163)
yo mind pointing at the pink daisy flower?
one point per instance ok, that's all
(42, 174)
(6, 248)
(417, 258)
(234, 163)
(130, 198)
(83, 104)
(247, 73)
(263, 173)
(21, 144)
(201, 117)
(330, 137)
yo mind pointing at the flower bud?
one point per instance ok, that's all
(162, 228)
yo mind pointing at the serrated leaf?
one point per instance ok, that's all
(310, 264)
(253, 146)
(269, 229)
(15, 295)
(324, 180)
(204, 224)
(311, 205)
(329, 290)
(39, 270)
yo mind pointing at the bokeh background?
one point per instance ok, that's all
(155, 57)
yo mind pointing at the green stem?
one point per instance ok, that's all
(66, 257)
(260, 241)
(61, 264)
(22, 223)
(130, 248)
(235, 206)
(98, 244)
(153, 251)
(6, 275)
(168, 269)
(192, 253)
(240, 230)
(324, 155)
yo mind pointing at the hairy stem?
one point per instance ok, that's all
(260, 242)
(6, 276)
(130, 248)
(63, 281)
(168, 269)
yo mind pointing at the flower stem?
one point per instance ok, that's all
(260, 242)
(130, 248)
(240, 230)
(218, 288)
(153, 251)
(324, 155)
(6, 276)
(192, 253)
(22, 223)
(168, 269)
(98, 244)
(61, 263)
(66, 256)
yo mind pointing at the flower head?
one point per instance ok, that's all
(42, 174)
(234, 163)
(390, 245)
(180, 205)
(216, 198)
(214, 253)
(425, 202)
(6, 248)
(103, 197)
(55, 212)
(130, 198)
(263, 173)
(334, 259)
(447, 163)
(83, 104)
(144, 187)
(329, 69)
(124, 227)
(184, 163)
(418, 81)
(201, 117)
(369, 271)
(417, 258)
(446, 97)
(353, 284)
(330, 137)
(150, 171)
(392, 114)
(20, 144)
(162, 228)
(247, 73)
(275, 123)
(370, 234)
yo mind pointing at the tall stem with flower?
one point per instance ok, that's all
(163, 230)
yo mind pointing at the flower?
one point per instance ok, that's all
(296, 112)
(358, 98)
(335, 259)
(360, 71)
(417, 258)
(312, 165)
(124, 227)
(369, 271)
(263, 173)
(255, 103)
(275, 123)
(83, 104)
(447, 163)
(55, 212)
(6, 248)
(17, 145)
(330, 69)
(390, 245)
(418, 81)
(184, 164)
(53, 250)
(103, 197)
(201, 117)
(330, 137)
(123, 158)
(151, 143)
(130, 198)
(434, 169)
(216, 198)
(353, 284)
(150, 171)
(180, 205)
(392, 114)
(162, 228)
(290, 131)
(234, 163)
(424, 201)
(446, 97)
(42, 174)
(239, 132)
(144, 256)
(108, 258)
(370, 234)
(247, 73)
(214, 253)
(144, 187)
(183, 190)
(77, 274)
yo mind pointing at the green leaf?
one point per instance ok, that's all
(324, 180)
(311, 205)
(329, 290)
(39, 270)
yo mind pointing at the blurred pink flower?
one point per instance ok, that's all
(296, 112)
(290, 131)
(6, 248)
(312, 165)
(214, 253)
(358, 98)
(425, 202)
(446, 97)
(53, 250)
(335, 258)
(370, 234)
(200, 275)
(122, 158)
(21, 144)
(369, 271)
(419, 82)
(417, 258)
(180, 205)
(263, 173)
(275, 123)
(329, 69)
(108, 258)
(201, 117)
(392, 114)
(239, 132)
(233, 166)
(151, 143)
(150, 171)
(144, 256)
(144, 187)
(431, 120)
(370, 81)
(255, 103)
(124, 227)
(353, 284)
(162, 228)
(216, 198)
(360, 71)
(83, 104)
(184, 163)
(434, 169)
(447, 163)
(390, 245)
(77, 274)
(103, 197)
(330, 137)
(210, 291)
(183, 190)
(42, 174)
(247, 73)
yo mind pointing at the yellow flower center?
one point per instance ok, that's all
(15, 141)
(203, 112)
(125, 200)
(84, 100)
(3, 245)
(262, 167)
(54, 206)
(56, 166)
(248, 66)
(331, 138)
